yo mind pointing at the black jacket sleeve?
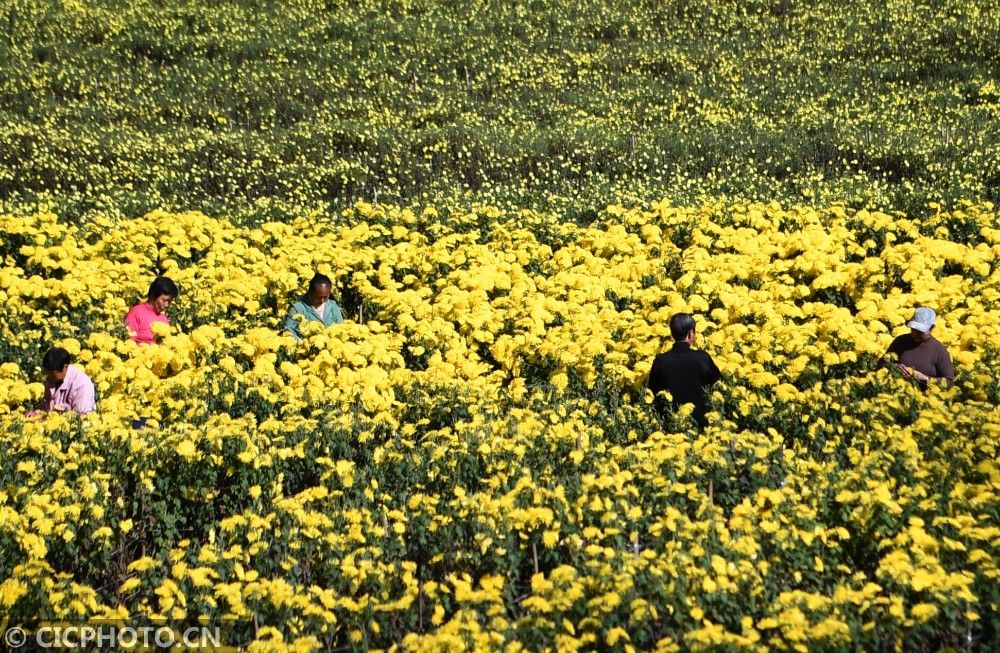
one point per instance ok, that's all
(656, 382)
(712, 373)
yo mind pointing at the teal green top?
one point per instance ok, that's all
(333, 315)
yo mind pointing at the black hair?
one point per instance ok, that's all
(319, 280)
(162, 286)
(680, 325)
(56, 359)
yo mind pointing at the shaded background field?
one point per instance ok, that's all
(277, 109)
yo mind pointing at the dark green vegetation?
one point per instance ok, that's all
(284, 107)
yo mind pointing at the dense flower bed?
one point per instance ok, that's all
(275, 109)
(472, 460)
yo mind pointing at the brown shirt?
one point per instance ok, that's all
(929, 356)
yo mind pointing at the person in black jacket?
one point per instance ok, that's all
(684, 372)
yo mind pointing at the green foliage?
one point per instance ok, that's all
(266, 110)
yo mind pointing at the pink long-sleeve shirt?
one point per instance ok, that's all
(76, 392)
(139, 321)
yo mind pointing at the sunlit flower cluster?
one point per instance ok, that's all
(471, 459)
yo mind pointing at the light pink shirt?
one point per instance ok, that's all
(76, 392)
(140, 320)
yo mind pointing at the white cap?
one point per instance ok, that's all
(922, 320)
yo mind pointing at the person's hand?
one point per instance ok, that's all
(912, 373)
(33, 415)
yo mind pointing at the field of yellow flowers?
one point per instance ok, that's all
(512, 200)
(266, 109)
(471, 460)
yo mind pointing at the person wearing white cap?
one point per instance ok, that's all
(919, 355)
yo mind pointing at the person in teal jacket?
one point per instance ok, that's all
(316, 305)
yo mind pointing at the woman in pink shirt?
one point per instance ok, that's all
(67, 387)
(140, 318)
